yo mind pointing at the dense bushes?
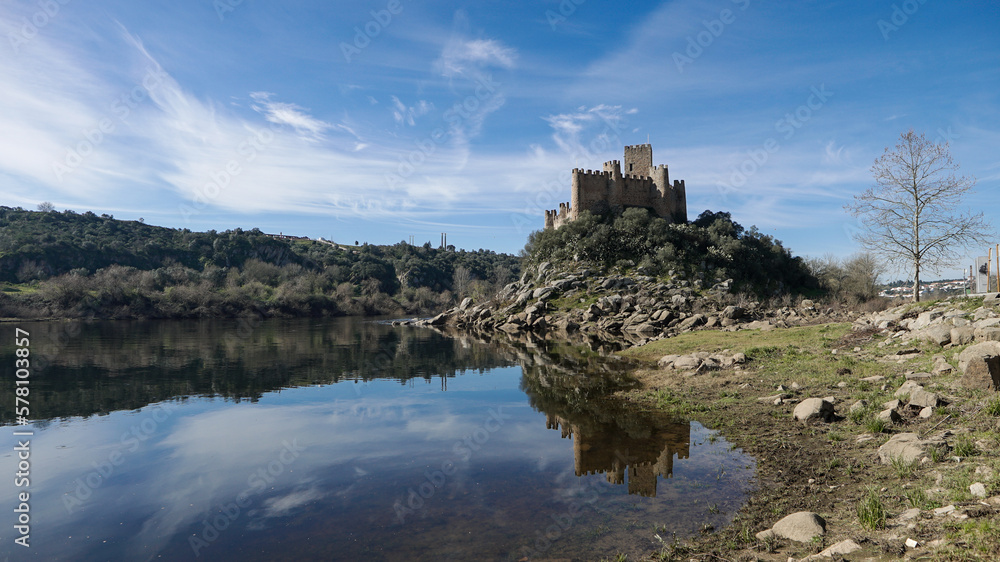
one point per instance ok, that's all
(854, 280)
(72, 265)
(712, 248)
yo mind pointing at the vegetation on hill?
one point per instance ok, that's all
(84, 265)
(712, 248)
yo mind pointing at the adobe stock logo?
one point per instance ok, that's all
(788, 125)
(30, 27)
(566, 9)
(364, 36)
(900, 15)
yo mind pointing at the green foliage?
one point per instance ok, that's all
(871, 512)
(73, 265)
(904, 469)
(875, 424)
(965, 446)
(992, 407)
(712, 244)
(858, 416)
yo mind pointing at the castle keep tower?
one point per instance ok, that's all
(636, 184)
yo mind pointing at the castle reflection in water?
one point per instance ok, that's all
(609, 450)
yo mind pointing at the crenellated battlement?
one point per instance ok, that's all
(631, 182)
(582, 172)
(555, 219)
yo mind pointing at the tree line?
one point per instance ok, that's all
(67, 264)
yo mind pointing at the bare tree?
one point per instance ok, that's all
(909, 216)
(460, 281)
(46, 207)
(861, 276)
(856, 277)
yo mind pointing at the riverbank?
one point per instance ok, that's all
(932, 498)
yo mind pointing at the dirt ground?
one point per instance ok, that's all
(830, 467)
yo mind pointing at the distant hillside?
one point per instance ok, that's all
(83, 265)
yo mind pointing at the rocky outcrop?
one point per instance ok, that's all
(634, 308)
(702, 361)
(945, 324)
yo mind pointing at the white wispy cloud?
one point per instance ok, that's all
(460, 56)
(408, 114)
(281, 113)
(588, 131)
(166, 141)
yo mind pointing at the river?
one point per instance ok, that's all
(343, 439)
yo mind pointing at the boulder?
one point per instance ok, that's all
(907, 447)
(980, 365)
(942, 367)
(733, 312)
(466, 303)
(765, 535)
(813, 409)
(692, 321)
(439, 320)
(803, 526)
(925, 319)
(921, 398)
(762, 325)
(686, 362)
(566, 325)
(858, 406)
(645, 328)
(889, 416)
(885, 319)
(667, 361)
(963, 335)
(543, 293)
(939, 335)
(987, 334)
(906, 389)
(842, 548)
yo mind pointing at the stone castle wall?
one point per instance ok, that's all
(639, 184)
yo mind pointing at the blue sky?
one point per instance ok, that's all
(375, 121)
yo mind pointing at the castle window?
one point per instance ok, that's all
(630, 167)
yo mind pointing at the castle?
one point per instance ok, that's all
(641, 185)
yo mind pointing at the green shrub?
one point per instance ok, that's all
(871, 511)
(713, 244)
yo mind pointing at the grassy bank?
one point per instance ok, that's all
(833, 468)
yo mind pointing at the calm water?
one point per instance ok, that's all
(345, 440)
